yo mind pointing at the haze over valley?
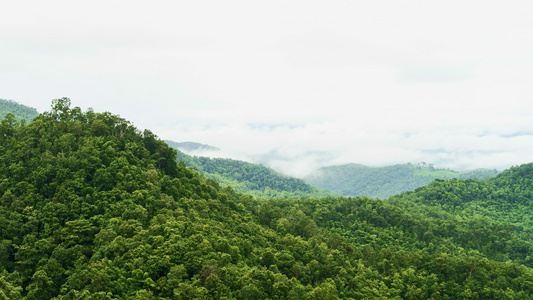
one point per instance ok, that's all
(295, 86)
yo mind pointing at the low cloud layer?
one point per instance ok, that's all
(299, 151)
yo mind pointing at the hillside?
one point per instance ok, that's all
(18, 110)
(91, 208)
(352, 180)
(189, 147)
(506, 198)
(249, 178)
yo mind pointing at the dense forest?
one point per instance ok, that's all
(353, 180)
(21, 112)
(250, 178)
(92, 208)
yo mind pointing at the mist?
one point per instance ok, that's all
(298, 151)
(293, 85)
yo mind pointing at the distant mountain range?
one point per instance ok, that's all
(250, 178)
(20, 111)
(191, 147)
(352, 180)
(349, 180)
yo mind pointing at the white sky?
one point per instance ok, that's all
(293, 84)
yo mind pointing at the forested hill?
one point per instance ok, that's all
(249, 178)
(18, 110)
(352, 180)
(189, 147)
(91, 208)
(506, 198)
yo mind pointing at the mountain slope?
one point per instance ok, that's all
(18, 110)
(191, 146)
(91, 208)
(506, 198)
(253, 179)
(353, 180)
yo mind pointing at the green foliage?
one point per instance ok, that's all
(253, 179)
(504, 199)
(8, 291)
(353, 180)
(19, 111)
(91, 208)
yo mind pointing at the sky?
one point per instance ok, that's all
(294, 85)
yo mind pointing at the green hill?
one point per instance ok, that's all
(18, 110)
(506, 198)
(352, 180)
(249, 178)
(191, 146)
(92, 208)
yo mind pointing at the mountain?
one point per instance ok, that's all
(249, 178)
(352, 180)
(92, 208)
(506, 198)
(18, 110)
(191, 147)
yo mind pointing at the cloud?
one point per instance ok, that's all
(436, 74)
(458, 142)
(296, 85)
